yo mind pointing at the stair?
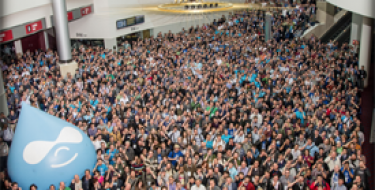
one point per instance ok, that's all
(344, 36)
(341, 26)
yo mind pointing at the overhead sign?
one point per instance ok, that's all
(6, 35)
(130, 22)
(77, 13)
(33, 27)
(85, 10)
(70, 16)
(22, 30)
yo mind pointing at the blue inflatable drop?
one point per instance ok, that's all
(47, 150)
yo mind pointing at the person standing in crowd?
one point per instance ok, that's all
(362, 75)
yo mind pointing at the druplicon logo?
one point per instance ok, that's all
(67, 135)
(47, 150)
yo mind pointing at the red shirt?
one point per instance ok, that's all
(328, 112)
(313, 187)
(249, 186)
(307, 158)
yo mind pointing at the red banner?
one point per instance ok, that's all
(86, 10)
(34, 27)
(70, 16)
(6, 35)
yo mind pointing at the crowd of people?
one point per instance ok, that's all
(212, 107)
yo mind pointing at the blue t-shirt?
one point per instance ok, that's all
(112, 153)
(348, 179)
(160, 158)
(226, 138)
(176, 156)
(209, 144)
(102, 169)
(231, 132)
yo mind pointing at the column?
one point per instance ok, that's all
(18, 47)
(325, 14)
(140, 34)
(355, 30)
(268, 26)
(365, 46)
(3, 98)
(151, 32)
(46, 40)
(67, 65)
(110, 43)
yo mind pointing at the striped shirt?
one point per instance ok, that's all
(138, 168)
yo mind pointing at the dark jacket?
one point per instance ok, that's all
(297, 186)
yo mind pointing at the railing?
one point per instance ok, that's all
(344, 36)
(337, 28)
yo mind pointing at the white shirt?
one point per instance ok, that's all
(332, 163)
(201, 187)
(218, 61)
(8, 134)
(124, 99)
(218, 143)
(260, 118)
(239, 139)
(97, 144)
(174, 135)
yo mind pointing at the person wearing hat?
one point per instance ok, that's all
(175, 155)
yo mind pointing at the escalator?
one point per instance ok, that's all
(339, 30)
(344, 36)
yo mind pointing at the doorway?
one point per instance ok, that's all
(146, 34)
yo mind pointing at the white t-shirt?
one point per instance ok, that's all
(97, 144)
(219, 61)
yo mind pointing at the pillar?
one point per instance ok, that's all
(355, 30)
(46, 40)
(268, 26)
(3, 97)
(325, 14)
(140, 34)
(18, 47)
(110, 43)
(66, 64)
(365, 46)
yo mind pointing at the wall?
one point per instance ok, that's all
(356, 26)
(318, 30)
(109, 43)
(98, 26)
(362, 7)
(339, 15)
(23, 12)
(33, 42)
(13, 6)
(326, 17)
(103, 5)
